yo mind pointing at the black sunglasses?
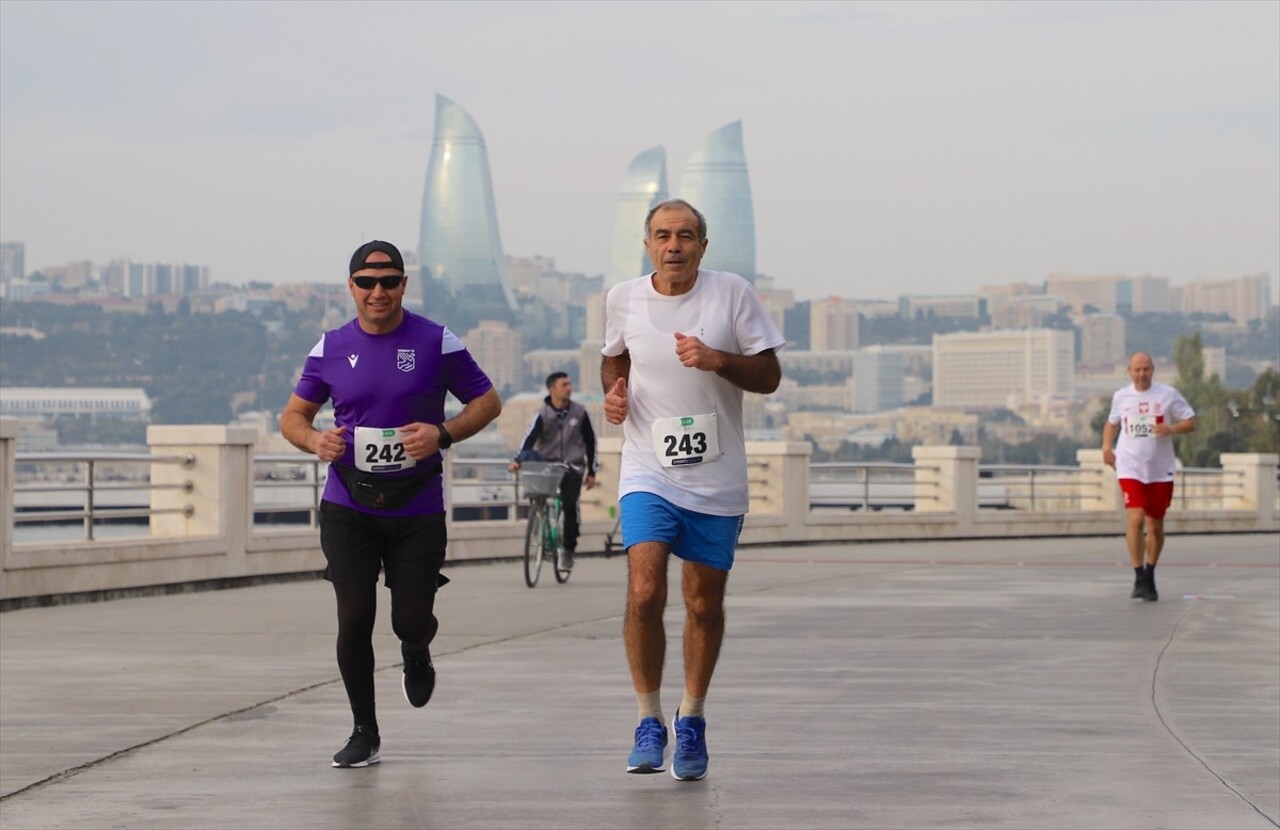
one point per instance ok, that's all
(367, 283)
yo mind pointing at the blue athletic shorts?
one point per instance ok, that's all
(694, 537)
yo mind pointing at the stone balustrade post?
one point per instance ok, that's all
(8, 452)
(1098, 487)
(1254, 484)
(778, 473)
(446, 483)
(604, 498)
(947, 482)
(221, 485)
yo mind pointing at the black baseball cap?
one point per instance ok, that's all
(359, 260)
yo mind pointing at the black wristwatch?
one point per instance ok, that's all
(446, 440)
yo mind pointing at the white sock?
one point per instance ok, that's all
(650, 705)
(691, 707)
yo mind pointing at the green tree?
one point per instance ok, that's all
(1099, 420)
(1218, 425)
(1262, 418)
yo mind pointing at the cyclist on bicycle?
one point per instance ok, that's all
(561, 431)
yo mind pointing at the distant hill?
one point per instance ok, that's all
(192, 366)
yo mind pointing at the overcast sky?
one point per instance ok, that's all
(893, 147)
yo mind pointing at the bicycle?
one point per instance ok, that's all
(613, 539)
(543, 533)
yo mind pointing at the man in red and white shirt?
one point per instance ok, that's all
(1145, 416)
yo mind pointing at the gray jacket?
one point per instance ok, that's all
(561, 435)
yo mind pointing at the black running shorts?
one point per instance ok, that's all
(358, 545)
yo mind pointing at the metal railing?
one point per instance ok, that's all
(1033, 486)
(482, 488)
(288, 487)
(1204, 488)
(866, 486)
(90, 488)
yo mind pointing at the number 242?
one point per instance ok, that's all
(387, 454)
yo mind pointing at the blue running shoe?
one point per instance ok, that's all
(689, 761)
(651, 740)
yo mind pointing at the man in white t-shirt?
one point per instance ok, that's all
(681, 345)
(1145, 416)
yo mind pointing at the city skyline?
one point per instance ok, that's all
(893, 147)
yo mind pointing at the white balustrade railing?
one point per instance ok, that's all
(89, 491)
(202, 506)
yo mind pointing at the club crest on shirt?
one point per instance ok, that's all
(1143, 408)
(405, 360)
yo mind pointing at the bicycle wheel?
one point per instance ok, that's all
(556, 549)
(533, 545)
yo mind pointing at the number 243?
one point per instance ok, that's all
(688, 444)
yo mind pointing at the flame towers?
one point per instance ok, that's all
(459, 250)
(715, 182)
(643, 187)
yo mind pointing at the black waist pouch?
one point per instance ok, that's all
(384, 492)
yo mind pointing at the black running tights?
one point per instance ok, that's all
(412, 620)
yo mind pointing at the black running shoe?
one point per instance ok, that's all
(361, 749)
(1139, 587)
(419, 679)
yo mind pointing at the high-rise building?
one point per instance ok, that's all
(1084, 295)
(462, 269)
(644, 185)
(964, 306)
(777, 301)
(1215, 361)
(1241, 298)
(70, 277)
(1111, 294)
(716, 183)
(833, 325)
(12, 261)
(1145, 295)
(1028, 311)
(1102, 340)
(877, 378)
(594, 323)
(146, 279)
(1002, 369)
(497, 347)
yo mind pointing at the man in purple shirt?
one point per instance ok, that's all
(387, 372)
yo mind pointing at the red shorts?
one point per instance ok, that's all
(1153, 498)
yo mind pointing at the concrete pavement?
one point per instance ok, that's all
(958, 684)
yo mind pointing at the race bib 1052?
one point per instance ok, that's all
(1141, 426)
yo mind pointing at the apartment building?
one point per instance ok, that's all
(1009, 369)
(1240, 298)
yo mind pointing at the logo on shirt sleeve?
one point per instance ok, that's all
(405, 360)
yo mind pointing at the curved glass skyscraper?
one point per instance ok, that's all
(463, 270)
(643, 187)
(715, 182)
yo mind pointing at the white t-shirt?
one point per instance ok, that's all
(1139, 453)
(667, 459)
